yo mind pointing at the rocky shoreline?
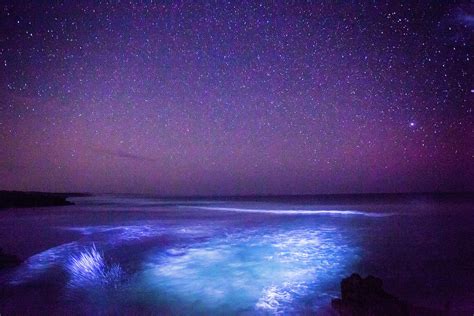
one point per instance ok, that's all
(8, 261)
(9, 199)
(366, 297)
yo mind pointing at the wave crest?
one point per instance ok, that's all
(89, 269)
(295, 212)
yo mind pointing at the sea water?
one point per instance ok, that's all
(125, 254)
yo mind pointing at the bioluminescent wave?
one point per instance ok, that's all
(270, 270)
(224, 258)
(107, 236)
(207, 269)
(39, 264)
(119, 232)
(274, 271)
(89, 269)
(295, 211)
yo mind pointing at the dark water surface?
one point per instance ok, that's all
(149, 256)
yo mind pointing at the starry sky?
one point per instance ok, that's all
(237, 97)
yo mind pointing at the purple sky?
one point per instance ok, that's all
(295, 97)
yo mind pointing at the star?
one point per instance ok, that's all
(193, 98)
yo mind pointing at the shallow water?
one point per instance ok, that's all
(136, 255)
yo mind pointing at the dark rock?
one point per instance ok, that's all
(34, 199)
(366, 297)
(8, 261)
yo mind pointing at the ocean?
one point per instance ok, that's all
(123, 254)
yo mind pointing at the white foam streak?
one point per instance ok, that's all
(295, 212)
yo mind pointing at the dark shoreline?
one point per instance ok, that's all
(366, 297)
(22, 199)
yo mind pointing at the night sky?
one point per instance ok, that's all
(207, 98)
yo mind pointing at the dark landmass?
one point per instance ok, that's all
(363, 297)
(366, 297)
(34, 199)
(8, 261)
(31, 199)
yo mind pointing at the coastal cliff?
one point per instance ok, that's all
(34, 199)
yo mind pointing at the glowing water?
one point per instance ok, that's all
(118, 257)
(295, 211)
(89, 269)
(273, 271)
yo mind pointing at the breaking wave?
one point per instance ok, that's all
(296, 212)
(89, 269)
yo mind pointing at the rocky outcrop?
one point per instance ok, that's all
(34, 199)
(8, 261)
(366, 297)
